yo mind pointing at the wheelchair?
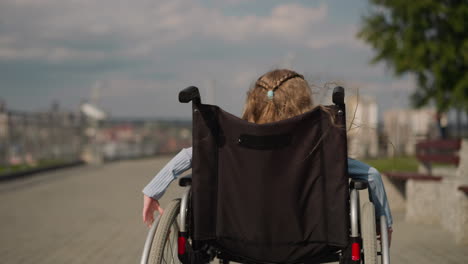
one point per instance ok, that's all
(268, 193)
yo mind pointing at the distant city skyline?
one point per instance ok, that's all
(139, 54)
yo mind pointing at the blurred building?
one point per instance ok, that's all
(124, 139)
(3, 134)
(56, 136)
(404, 128)
(33, 137)
(361, 119)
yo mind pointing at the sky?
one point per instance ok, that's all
(133, 57)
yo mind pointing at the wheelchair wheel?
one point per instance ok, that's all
(368, 231)
(164, 246)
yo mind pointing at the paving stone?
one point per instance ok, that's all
(93, 215)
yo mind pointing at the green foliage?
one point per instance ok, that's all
(427, 38)
(25, 167)
(406, 164)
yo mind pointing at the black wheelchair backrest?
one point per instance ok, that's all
(275, 192)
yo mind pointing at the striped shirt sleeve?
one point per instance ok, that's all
(178, 165)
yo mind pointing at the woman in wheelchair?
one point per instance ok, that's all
(276, 95)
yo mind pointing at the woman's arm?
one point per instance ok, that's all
(178, 165)
(156, 188)
(362, 171)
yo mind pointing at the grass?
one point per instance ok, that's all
(407, 164)
(26, 167)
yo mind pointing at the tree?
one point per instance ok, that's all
(427, 38)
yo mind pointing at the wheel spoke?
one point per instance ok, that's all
(171, 243)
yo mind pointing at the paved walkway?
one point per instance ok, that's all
(93, 215)
(424, 244)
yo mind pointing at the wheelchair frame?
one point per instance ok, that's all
(363, 239)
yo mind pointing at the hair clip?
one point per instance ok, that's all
(270, 94)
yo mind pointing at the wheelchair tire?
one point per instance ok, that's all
(368, 232)
(164, 246)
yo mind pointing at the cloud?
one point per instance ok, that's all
(344, 36)
(61, 30)
(50, 54)
(150, 49)
(236, 2)
(39, 27)
(405, 85)
(285, 22)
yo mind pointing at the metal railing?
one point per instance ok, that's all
(32, 139)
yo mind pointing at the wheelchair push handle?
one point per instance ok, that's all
(338, 95)
(190, 93)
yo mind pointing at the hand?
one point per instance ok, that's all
(150, 205)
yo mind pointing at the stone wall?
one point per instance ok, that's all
(422, 204)
(453, 209)
(462, 172)
(435, 202)
(396, 193)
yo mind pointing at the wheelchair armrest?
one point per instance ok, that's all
(358, 184)
(185, 181)
(189, 94)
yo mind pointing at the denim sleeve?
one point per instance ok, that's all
(362, 171)
(178, 165)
